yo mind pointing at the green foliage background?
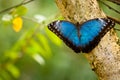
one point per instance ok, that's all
(35, 53)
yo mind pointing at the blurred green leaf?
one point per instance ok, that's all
(13, 70)
(53, 37)
(44, 42)
(5, 75)
(36, 47)
(19, 11)
(12, 55)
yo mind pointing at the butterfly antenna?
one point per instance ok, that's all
(110, 7)
(115, 1)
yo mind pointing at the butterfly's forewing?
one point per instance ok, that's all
(92, 31)
(68, 32)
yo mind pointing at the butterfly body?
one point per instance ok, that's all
(83, 37)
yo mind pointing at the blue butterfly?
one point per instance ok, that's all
(83, 37)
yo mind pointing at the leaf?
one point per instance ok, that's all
(13, 70)
(44, 43)
(19, 11)
(17, 24)
(53, 38)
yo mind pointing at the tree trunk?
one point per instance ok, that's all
(105, 58)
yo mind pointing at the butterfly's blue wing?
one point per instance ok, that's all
(67, 31)
(83, 37)
(92, 31)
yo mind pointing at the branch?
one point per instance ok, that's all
(105, 58)
(22, 3)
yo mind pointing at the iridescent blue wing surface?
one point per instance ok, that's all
(92, 31)
(83, 37)
(67, 31)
